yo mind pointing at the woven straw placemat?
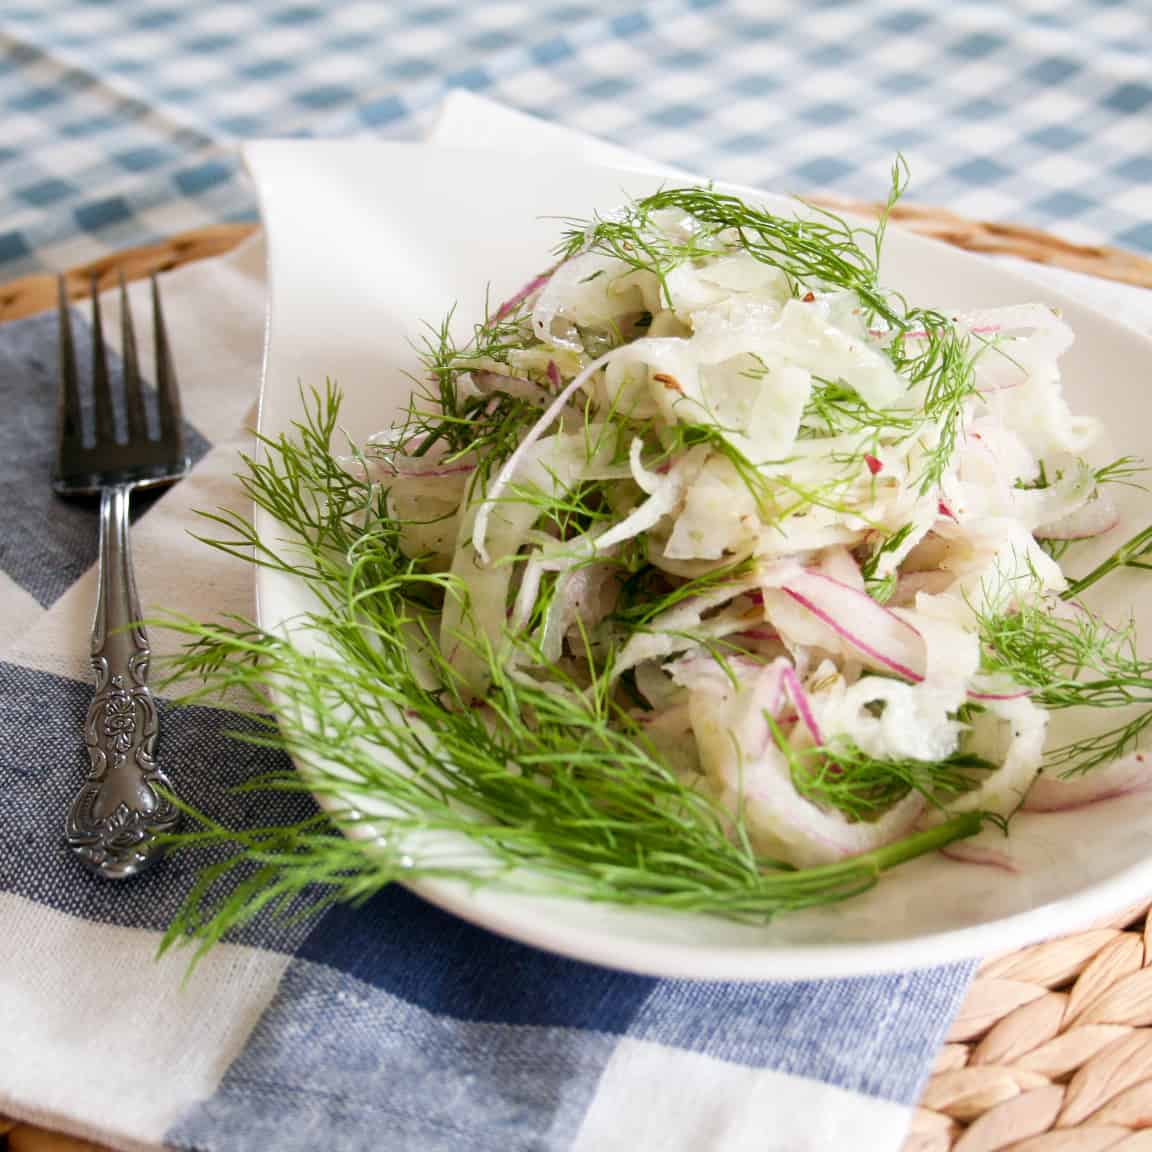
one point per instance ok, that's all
(37, 293)
(1052, 1049)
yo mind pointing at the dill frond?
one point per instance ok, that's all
(547, 787)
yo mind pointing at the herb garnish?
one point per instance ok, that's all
(557, 786)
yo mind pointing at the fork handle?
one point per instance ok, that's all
(113, 821)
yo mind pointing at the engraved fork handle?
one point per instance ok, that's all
(114, 818)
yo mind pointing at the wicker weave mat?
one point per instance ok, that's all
(1052, 1050)
(37, 293)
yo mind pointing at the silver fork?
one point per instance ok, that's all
(114, 819)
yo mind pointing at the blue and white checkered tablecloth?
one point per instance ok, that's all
(394, 1026)
(119, 119)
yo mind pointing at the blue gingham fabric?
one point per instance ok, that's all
(119, 119)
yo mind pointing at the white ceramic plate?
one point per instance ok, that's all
(369, 240)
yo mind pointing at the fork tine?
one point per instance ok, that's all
(69, 425)
(101, 389)
(133, 384)
(167, 391)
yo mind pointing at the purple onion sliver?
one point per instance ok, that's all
(981, 857)
(535, 283)
(816, 574)
(1071, 804)
(1123, 777)
(972, 694)
(758, 634)
(855, 641)
(800, 701)
(1092, 519)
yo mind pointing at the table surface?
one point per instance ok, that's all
(121, 121)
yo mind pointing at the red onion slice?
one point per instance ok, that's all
(883, 638)
(790, 683)
(966, 852)
(1131, 773)
(909, 585)
(533, 285)
(878, 634)
(757, 633)
(1092, 519)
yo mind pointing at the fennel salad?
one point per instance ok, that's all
(706, 574)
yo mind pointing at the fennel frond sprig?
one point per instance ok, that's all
(833, 409)
(820, 249)
(842, 776)
(1080, 756)
(569, 513)
(1072, 659)
(777, 494)
(943, 366)
(1135, 552)
(485, 427)
(640, 602)
(1068, 661)
(539, 791)
(547, 787)
(492, 338)
(864, 787)
(1121, 471)
(630, 238)
(299, 481)
(442, 414)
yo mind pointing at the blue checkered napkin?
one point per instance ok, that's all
(118, 121)
(391, 1026)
